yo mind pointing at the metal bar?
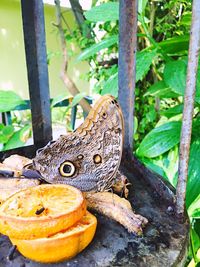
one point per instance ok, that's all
(189, 97)
(27, 151)
(127, 67)
(6, 118)
(36, 61)
(73, 116)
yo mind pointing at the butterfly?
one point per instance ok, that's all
(89, 157)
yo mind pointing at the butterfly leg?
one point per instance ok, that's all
(121, 184)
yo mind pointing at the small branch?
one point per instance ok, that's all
(146, 40)
(80, 19)
(67, 25)
(64, 76)
(152, 18)
(188, 108)
(151, 39)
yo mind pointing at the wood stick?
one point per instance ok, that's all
(64, 76)
(189, 98)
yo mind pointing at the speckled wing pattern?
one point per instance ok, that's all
(89, 157)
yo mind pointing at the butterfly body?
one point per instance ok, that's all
(89, 157)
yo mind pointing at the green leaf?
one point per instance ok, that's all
(135, 124)
(151, 114)
(103, 12)
(194, 208)
(195, 243)
(143, 63)
(170, 165)
(111, 86)
(142, 19)
(9, 100)
(58, 99)
(141, 6)
(5, 133)
(8, 130)
(149, 163)
(160, 140)
(18, 138)
(186, 19)
(193, 184)
(144, 60)
(161, 90)
(175, 77)
(175, 45)
(92, 50)
(77, 98)
(195, 128)
(166, 165)
(170, 112)
(193, 262)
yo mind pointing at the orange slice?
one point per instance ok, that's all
(9, 187)
(41, 211)
(61, 246)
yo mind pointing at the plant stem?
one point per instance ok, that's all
(64, 76)
(188, 109)
(152, 17)
(151, 39)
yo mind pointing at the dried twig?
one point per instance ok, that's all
(64, 76)
(188, 108)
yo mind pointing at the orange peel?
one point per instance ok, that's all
(61, 246)
(41, 211)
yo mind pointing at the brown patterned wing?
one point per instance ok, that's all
(89, 157)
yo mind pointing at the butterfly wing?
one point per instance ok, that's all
(89, 157)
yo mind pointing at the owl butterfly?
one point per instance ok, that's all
(89, 157)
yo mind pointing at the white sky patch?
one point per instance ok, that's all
(86, 5)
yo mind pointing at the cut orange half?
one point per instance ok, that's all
(61, 246)
(10, 187)
(41, 211)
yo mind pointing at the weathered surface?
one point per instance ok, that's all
(127, 67)
(163, 244)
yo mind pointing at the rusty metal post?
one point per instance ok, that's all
(126, 77)
(188, 108)
(36, 61)
(127, 67)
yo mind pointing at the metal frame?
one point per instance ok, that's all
(36, 61)
(127, 67)
(126, 78)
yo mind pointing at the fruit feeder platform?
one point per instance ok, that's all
(166, 236)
